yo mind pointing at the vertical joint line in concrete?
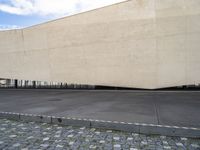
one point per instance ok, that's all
(156, 110)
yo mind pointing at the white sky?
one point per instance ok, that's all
(56, 8)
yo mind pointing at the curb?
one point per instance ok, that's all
(113, 125)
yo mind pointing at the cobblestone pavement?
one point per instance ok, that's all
(24, 136)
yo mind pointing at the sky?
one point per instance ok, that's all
(23, 13)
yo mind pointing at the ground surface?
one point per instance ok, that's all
(165, 108)
(34, 136)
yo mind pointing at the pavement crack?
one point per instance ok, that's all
(156, 110)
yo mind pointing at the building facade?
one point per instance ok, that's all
(137, 43)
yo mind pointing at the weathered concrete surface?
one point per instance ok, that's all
(163, 108)
(137, 43)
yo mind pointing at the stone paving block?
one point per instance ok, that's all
(42, 136)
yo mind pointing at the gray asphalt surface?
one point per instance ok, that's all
(165, 108)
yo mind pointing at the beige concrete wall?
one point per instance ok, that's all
(139, 43)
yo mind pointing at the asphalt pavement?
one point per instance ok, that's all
(173, 108)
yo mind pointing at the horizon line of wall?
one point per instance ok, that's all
(15, 83)
(28, 84)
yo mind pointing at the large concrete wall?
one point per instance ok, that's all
(138, 43)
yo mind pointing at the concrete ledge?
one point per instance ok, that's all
(35, 118)
(170, 130)
(70, 121)
(129, 127)
(10, 115)
(113, 125)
